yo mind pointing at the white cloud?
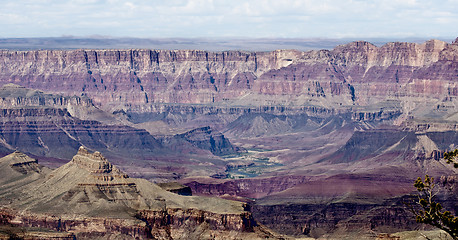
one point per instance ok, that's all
(12, 19)
(212, 18)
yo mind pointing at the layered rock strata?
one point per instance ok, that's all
(51, 125)
(137, 78)
(203, 138)
(89, 197)
(53, 132)
(283, 102)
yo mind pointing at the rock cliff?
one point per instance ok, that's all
(138, 79)
(317, 125)
(53, 126)
(203, 138)
(89, 197)
(53, 132)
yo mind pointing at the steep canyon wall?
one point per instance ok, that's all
(357, 73)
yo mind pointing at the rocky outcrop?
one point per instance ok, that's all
(91, 198)
(396, 146)
(202, 140)
(316, 220)
(176, 187)
(135, 78)
(81, 228)
(315, 215)
(18, 97)
(168, 224)
(207, 139)
(381, 115)
(98, 166)
(250, 188)
(103, 178)
(346, 203)
(49, 129)
(24, 164)
(48, 125)
(176, 223)
(367, 144)
(12, 95)
(53, 132)
(286, 100)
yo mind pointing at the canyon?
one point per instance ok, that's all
(89, 197)
(142, 79)
(322, 143)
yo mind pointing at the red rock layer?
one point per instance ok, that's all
(167, 224)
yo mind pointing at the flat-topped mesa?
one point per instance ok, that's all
(98, 166)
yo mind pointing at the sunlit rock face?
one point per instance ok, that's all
(91, 198)
(332, 140)
(356, 73)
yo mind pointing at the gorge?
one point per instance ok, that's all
(320, 143)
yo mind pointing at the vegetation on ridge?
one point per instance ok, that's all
(431, 212)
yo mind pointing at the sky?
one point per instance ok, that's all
(229, 18)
